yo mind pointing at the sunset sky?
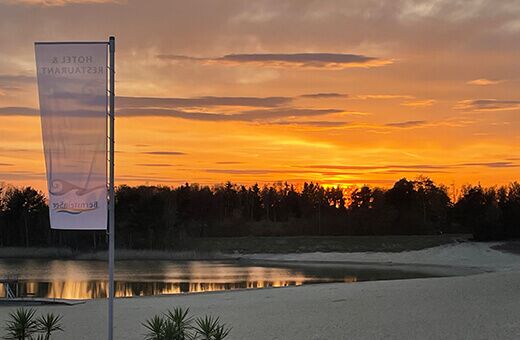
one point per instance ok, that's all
(340, 92)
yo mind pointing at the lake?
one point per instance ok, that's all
(72, 279)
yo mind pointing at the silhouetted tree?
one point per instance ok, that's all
(24, 213)
(479, 211)
(158, 217)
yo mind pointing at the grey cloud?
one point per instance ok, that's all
(147, 179)
(171, 102)
(334, 173)
(300, 59)
(203, 116)
(16, 175)
(240, 171)
(28, 111)
(253, 115)
(274, 171)
(131, 102)
(9, 83)
(229, 162)
(426, 168)
(376, 167)
(16, 79)
(257, 171)
(422, 171)
(154, 164)
(245, 116)
(18, 150)
(488, 105)
(492, 164)
(407, 124)
(18, 111)
(317, 123)
(177, 57)
(164, 153)
(359, 181)
(324, 95)
(307, 60)
(4, 78)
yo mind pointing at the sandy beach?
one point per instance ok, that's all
(478, 306)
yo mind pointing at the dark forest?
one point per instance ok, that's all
(160, 217)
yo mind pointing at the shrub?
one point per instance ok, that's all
(24, 325)
(178, 325)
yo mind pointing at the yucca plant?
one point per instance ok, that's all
(155, 326)
(209, 328)
(221, 332)
(206, 327)
(23, 325)
(172, 325)
(48, 324)
(177, 325)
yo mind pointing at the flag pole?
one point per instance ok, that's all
(111, 214)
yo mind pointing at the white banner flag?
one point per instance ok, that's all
(72, 84)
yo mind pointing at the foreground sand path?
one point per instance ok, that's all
(484, 306)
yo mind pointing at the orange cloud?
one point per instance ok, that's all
(419, 103)
(483, 82)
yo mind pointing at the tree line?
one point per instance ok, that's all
(161, 217)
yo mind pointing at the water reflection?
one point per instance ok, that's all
(99, 289)
(87, 279)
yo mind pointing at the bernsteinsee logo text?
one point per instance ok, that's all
(74, 207)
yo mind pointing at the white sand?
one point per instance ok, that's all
(468, 254)
(483, 306)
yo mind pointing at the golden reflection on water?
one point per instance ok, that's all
(99, 289)
(87, 279)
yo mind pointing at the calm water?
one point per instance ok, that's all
(87, 279)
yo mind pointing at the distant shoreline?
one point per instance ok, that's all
(121, 254)
(231, 248)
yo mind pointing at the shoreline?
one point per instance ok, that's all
(486, 256)
(121, 255)
(224, 248)
(480, 306)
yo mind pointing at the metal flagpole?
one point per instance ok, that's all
(111, 214)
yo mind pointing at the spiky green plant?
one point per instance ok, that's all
(48, 324)
(155, 327)
(176, 324)
(221, 332)
(209, 328)
(21, 325)
(206, 327)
